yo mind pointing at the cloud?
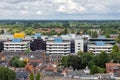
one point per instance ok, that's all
(59, 8)
(23, 12)
(69, 6)
(39, 12)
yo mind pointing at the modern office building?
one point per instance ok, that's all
(58, 45)
(16, 45)
(37, 43)
(79, 44)
(96, 45)
(72, 46)
(1, 46)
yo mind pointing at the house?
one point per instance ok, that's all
(113, 68)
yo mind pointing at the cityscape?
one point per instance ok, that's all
(44, 53)
(59, 40)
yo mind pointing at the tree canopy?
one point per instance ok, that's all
(17, 62)
(7, 74)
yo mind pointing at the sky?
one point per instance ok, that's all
(60, 9)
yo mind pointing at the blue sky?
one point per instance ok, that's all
(60, 9)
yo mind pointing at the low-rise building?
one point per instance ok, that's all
(58, 46)
(114, 36)
(113, 68)
(96, 45)
(16, 45)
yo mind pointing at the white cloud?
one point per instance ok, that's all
(24, 12)
(39, 12)
(69, 6)
(55, 8)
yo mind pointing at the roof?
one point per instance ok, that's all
(100, 43)
(21, 74)
(29, 68)
(101, 37)
(17, 40)
(58, 40)
(112, 64)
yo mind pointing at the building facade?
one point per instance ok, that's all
(37, 44)
(79, 45)
(96, 45)
(58, 46)
(16, 45)
(113, 68)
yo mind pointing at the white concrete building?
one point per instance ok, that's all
(16, 45)
(58, 46)
(96, 45)
(6, 37)
(79, 44)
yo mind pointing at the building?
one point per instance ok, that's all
(19, 35)
(113, 68)
(114, 36)
(96, 45)
(6, 37)
(16, 45)
(79, 44)
(58, 46)
(72, 46)
(1, 46)
(37, 44)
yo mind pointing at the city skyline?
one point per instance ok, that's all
(60, 9)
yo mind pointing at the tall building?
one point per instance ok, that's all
(96, 45)
(72, 46)
(79, 44)
(16, 45)
(58, 46)
(1, 45)
(37, 43)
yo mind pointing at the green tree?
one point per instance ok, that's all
(118, 39)
(38, 76)
(7, 74)
(29, 31)
(107, 35)
(115, 49)
(79, 53)
(94, 69)
(73, 61)
(86, 58)
(31, 76)
(94, 34)
(101, 70)
(101, 59)
(115, 57)
(65, 31)
(90, 64)
(65, 61)
(2, 31)
(16, 62)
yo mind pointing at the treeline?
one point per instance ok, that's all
(96, 63)
(79, 27)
